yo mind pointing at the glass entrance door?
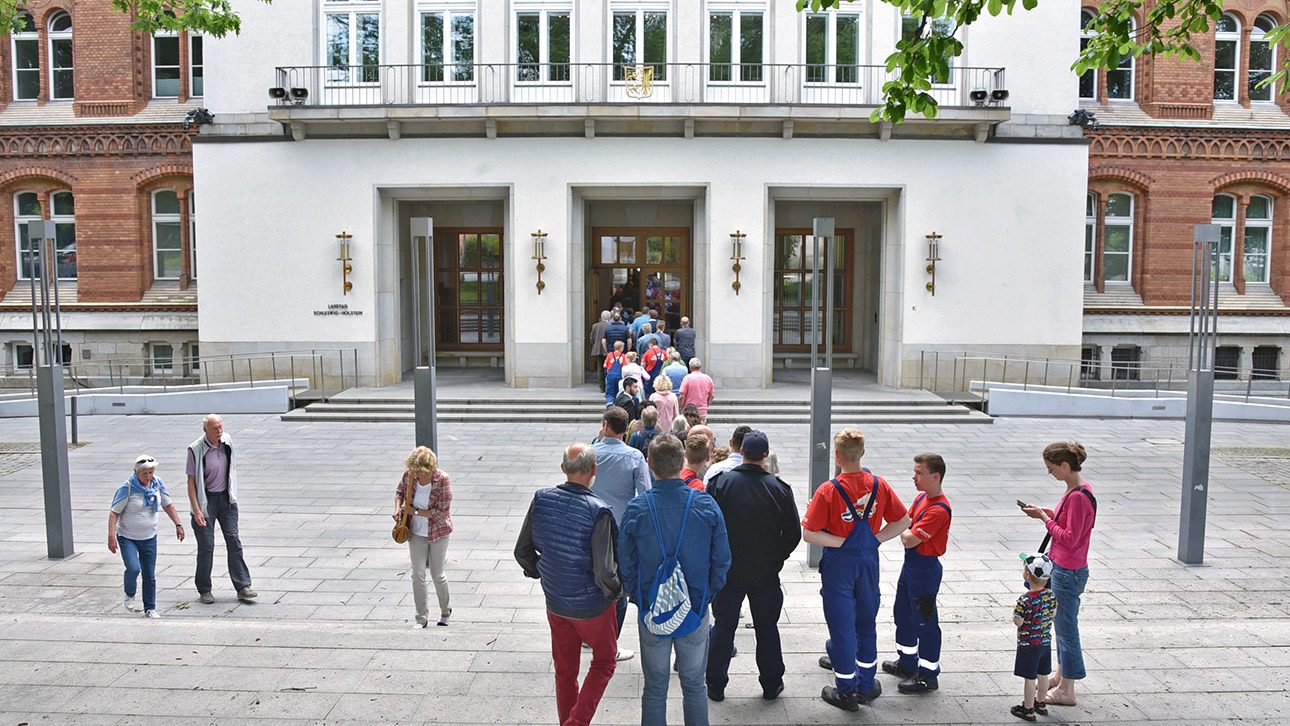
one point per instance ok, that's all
(796, 271)
(638, 268)
(468, 289)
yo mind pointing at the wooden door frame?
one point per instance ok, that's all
(640, 233)
(848, 302)
(501, 272)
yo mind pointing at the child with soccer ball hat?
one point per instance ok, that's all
(1033, 617)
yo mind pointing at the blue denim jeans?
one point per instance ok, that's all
(692, 662)
(1068, 585)
(140, 557)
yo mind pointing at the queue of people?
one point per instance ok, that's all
(692, 545)
(688, 541)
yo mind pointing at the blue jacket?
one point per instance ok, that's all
(615, 332)
(704, 554)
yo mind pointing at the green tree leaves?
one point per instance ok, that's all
(208, 17)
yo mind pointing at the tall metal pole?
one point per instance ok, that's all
(425, 385)
(52, 409)
(821, 377)
(1202, 336)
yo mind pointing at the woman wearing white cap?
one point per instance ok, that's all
(132, 526)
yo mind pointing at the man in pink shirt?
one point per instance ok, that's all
(696, 388)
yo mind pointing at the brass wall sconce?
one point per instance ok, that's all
(345, 260)
(736, 256)
(933, 256)
(539, 254)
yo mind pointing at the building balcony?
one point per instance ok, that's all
(609, 98)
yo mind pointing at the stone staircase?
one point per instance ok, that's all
(588, 411)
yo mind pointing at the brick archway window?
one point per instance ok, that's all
(1224, 215)
(1117, 249)
(25, 54)
(167, 239)
(1227, 58)
(1263, 58)
(26, 208)
(1258, 239)
(60, 57)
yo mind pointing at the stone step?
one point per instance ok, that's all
(599, 404)
(594, 409)
(944, 416)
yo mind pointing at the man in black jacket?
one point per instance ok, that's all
(569, 541)
(763, 528)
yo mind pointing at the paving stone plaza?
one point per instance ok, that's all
(330, 639)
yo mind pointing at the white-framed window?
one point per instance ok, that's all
(1117, 247)
(352, 41)
(60, 57)
(736, 43)
(543, 44)
(1224, 215)
(448, 44)
(939, 27)
(1090, 233)
(196, 78)
(1227, 57)
(64, 219)
(22, 357)
(832, 45)
(194, 359)
(1258, 239)
(1263, 57)
(167, 242)
(163, 358)
(192, 235)
(1088, 80)
(26, 208)
(25, 53)
(166, 71)
(1119, 80)
(638, 36)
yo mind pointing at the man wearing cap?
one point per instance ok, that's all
(763, 529)
(212, 494)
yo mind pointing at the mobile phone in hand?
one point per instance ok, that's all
(1022, 504)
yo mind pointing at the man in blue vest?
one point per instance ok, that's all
(918, 632)
(569, 542)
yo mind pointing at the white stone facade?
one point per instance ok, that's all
(1004, 185)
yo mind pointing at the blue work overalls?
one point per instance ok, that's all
(918, 631)
(849, 587)
(612, 378)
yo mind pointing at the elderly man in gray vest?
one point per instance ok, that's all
(212, 494)
(569, 541)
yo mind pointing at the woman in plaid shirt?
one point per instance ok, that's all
(430, 524)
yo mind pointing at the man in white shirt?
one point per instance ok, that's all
(735, 459)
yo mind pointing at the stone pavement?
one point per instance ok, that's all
(330, 641)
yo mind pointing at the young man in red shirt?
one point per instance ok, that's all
(918, 632)
(849, 567)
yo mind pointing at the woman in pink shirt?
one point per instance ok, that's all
(665, 401)
(1071, 528)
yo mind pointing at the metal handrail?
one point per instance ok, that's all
(1114, 375)
(186, 371)
(609, 83)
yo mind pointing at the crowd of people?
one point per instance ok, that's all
(652, 512)
(637, 348)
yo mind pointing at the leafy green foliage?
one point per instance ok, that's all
(209, 17)
(1166, 27)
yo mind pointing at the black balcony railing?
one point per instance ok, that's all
(616, 83)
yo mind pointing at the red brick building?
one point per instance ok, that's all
(91, 129)
(1180, 143)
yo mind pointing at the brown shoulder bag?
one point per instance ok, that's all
(401, 529)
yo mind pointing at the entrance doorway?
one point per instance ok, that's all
(796, 272)
(640, 267)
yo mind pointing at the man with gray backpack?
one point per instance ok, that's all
(674, 556)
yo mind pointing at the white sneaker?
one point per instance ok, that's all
(132, 604)
(624, 654)
(418, 626)
(443, 619)
(152, 614)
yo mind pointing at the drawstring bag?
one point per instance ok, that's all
(670, 614)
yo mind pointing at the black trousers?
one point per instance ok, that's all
(765, 603)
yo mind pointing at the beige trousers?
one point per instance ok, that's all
(425, 552)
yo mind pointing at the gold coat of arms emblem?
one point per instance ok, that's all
(640, 81)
